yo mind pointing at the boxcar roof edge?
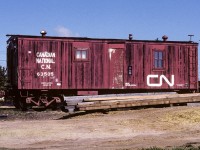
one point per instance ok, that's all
(103, 39)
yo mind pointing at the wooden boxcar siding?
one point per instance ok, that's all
(70, 73)
(89, 74)
(140, 57)
(135, 57)
(178, 65)
(29, 69)
(97, 71)
(179, 60)
(176, 62)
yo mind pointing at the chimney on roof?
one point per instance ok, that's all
(130, 36)
(43, 33)
(190, 35)
(164, 37)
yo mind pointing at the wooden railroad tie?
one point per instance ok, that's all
(132, 101)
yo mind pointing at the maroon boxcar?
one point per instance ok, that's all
(43, 69)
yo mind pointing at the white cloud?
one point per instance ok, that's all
(65, 32)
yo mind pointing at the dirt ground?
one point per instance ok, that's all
(117, 130)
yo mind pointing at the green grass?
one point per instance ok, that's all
(186, 147)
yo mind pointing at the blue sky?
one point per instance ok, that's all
(145, 19)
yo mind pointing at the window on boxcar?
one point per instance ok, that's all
(78, 54)
(84, 54)
(81, 54)
(158, 59)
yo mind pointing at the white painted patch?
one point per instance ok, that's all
(46, 83)
(129, 84)
(111, 50)
(58, 84)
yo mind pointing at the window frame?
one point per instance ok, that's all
(158, 59)
(81, 50)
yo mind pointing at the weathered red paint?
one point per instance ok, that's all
(46, 63)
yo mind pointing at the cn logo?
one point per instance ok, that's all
(161, 78)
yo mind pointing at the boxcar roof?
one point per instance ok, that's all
(100, 39)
